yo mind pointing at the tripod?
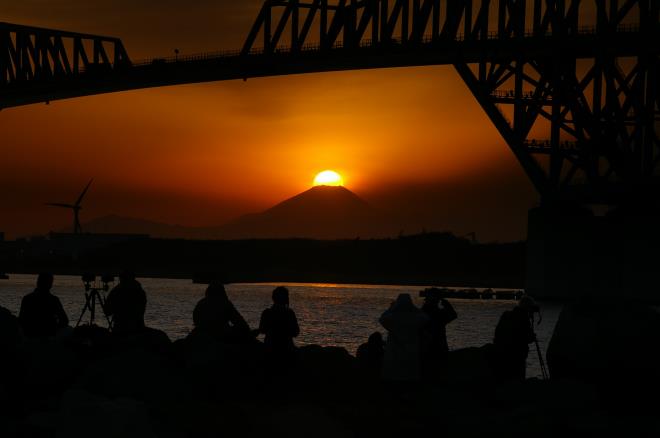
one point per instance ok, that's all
(544, 371)
(93, 296)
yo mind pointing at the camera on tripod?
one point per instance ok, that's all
(89, 280)
(432, 292)
(94, 296)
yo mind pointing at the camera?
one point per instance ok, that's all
(94, 296)
(88, 278)
(432, 292)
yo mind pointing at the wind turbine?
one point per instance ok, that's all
(77, 229)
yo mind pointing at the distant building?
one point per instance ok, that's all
(75, 244)
(67, 245)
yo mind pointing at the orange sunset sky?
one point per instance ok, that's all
(412, 142)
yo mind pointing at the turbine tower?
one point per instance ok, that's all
(77, 229)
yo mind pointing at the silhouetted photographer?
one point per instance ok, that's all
(435, 346)
(42, 314)
(404, 323)
(126, 303)
(513, 334)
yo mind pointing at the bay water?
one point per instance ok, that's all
(328, 314)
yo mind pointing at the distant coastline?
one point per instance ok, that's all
(436, 259)
(334, 280)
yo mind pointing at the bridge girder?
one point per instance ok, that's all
(598, 111)
(34, 54)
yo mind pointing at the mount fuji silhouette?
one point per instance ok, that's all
(322, 212)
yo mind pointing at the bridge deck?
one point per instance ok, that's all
(231, 65)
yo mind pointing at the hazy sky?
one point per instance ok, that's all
(410, 141)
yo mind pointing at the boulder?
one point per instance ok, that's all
(468, 366)
(49, 367)
(330, 368)
(217, 369)
(134, 373)
(83, 414)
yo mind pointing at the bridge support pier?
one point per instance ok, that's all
(572, 253)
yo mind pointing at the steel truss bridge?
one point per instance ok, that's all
(571, 85)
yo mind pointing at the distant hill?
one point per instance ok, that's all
(113, 224)
(322, 212)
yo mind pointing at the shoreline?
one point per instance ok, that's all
(279, 279)
(469, 288)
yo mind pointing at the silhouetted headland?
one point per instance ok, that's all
(423, 259)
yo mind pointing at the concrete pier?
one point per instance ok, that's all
(574, 253)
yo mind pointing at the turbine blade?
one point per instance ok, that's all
(82, 195)
(61, 205)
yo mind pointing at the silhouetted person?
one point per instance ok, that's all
(42, 314)
(513, 334)
(216, 316)
(404, 323)
(370, 354)
(435, 332)
(279, 324)
(126, 303)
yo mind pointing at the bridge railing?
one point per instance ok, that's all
(546, 145)
(295, 22)
(367, 43)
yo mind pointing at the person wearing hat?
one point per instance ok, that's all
(513, 334)
(404, 323)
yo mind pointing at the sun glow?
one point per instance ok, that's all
(328, 178)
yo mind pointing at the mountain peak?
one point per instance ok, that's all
(321, 212)
(327, 198)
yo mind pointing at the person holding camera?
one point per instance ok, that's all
(513, 334)
(435, 346)
(127, 303)
(404, 323)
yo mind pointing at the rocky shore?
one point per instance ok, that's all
(94, 384)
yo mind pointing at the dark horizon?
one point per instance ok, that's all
(333, 221)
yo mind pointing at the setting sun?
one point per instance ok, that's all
(328, 178)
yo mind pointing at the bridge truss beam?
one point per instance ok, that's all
(571, 85)
(30, 54)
